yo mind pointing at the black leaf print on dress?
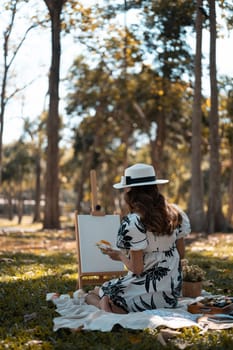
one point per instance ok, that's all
(113, 288)
(179, 228)
(152, 276)
(124, 241)
(137, 308)
(147, 306)
(169, 253)
(120, 302)
(169, 300)
(176, 290)
(140, 226)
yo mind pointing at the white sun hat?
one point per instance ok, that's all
(139, 175)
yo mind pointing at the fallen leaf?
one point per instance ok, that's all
(29, 317)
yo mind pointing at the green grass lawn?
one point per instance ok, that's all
(34, 262)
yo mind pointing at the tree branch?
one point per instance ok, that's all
(21, 43)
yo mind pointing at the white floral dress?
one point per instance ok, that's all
(159, 285)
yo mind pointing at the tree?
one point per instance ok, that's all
(230, 140)
(215, 218)
(8, 60)
(170, 54)
(51, 214)
(16, 174)
(36, 131)
(166, 49)
(100, 98)
(196, 200)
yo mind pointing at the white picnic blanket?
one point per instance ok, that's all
(88, 317)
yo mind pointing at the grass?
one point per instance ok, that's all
(34, 262)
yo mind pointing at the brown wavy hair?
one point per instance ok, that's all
(156, 213)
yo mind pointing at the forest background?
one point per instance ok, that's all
(134, 94)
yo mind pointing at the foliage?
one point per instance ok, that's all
(35, 262)
(129, 97)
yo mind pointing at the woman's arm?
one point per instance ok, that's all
(180, 247)
(134, 263)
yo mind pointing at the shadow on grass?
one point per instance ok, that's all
(47, 258)
(27, 321)
(218, 272)
(62, 235)
(26, 318)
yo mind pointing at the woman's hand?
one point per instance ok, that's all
(113, 254)
(134, 263)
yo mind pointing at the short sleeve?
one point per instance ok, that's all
(184, 228)
(132, 233)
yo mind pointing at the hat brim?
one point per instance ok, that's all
(156, 182)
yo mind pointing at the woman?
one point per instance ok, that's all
(151, 245)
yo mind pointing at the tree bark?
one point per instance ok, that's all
(157, 145)
(216, 221)
(37, 216)
(51, 214)
(230, 205)
(196, 200)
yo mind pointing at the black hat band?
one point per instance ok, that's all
(130, 181)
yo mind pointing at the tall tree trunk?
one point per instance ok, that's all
(84, 174)
(2, 112)
(51, 215)
(3, 85)
(230, 142)
(10, 209)
(196, 200)
(158, 144)
(37, 217)
(230, 205)
(215, 216)
(20, 209)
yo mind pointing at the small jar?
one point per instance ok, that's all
(79, 297)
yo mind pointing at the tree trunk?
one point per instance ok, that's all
(216, 221)
(230, 205)
(20, 208)
(84, 174)
(10, 206)
(158, 144)
(196, 200)
(36, 217)
(3, 99)
(51, 215)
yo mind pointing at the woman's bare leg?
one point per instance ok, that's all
(92, 298)
(103, 303)
(107, 305)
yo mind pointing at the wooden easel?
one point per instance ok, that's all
(95, 207)
(93, 267)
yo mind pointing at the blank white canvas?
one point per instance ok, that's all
(92, 229)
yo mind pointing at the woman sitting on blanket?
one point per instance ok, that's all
(151, 244)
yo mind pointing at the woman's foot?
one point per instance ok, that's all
(92, 299)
